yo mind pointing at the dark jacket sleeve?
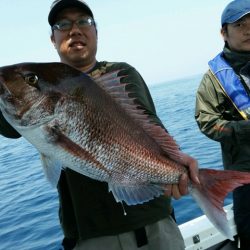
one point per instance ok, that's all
(216, 116)
(7, 130)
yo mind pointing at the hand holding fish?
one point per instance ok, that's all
(180, 189)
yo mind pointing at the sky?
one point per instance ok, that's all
(163, 39)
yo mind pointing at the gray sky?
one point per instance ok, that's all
(162, 39)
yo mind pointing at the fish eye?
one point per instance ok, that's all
(31, 79)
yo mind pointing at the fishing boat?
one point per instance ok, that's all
(200, 234)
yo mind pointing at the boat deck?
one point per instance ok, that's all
(200, 234)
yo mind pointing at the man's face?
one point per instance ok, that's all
(237, 35)
(76, 46)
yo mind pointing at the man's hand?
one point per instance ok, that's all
(180, 189)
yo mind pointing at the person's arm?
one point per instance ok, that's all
(216, 116)
(6, 130)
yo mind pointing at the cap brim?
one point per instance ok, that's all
(239, 17)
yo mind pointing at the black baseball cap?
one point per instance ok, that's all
(59, 5)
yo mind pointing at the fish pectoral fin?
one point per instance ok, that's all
(135, 194)
(52, 169)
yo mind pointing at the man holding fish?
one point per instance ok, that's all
(223, 105)
(89, 214)
(102, 144)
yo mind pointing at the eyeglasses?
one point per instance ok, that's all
(65, 24)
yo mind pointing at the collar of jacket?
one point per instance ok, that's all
(236, 59)
(231, 84)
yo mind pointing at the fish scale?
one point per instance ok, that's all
(93, 127)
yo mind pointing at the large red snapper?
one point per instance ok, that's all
(95, 128)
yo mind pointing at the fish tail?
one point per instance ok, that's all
(211, 192)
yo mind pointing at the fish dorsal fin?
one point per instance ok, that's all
(111, 83)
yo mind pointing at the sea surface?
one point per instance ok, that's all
(29, 205)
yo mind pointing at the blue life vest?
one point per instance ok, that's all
(231, 85)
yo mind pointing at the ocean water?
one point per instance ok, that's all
(29, 205)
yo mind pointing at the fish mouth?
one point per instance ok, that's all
(5, 97)
(2, 89)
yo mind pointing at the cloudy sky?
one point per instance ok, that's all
(162, 39)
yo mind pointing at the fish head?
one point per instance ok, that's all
(29, 92)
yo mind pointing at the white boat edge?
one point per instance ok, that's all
(200, 233)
